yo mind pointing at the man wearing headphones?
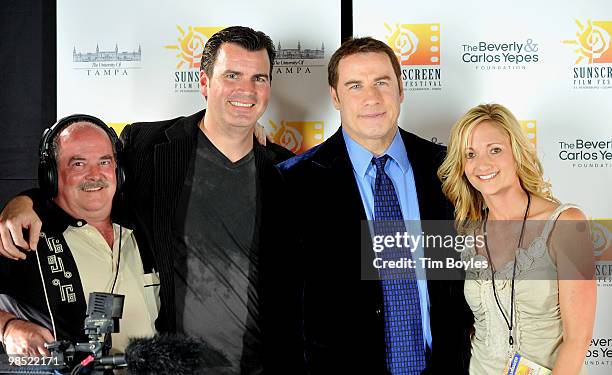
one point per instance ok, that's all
(207, 204)
(81, 250)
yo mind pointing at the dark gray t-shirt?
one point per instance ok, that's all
(215, 262)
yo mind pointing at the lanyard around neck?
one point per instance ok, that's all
(510, 322)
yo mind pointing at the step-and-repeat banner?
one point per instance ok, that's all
(139, 60)
(550, 63)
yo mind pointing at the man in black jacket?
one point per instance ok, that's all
(349, 323)
(82, 250)
(203, 195)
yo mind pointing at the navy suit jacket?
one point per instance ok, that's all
(343, 316)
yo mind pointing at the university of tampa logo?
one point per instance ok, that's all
(190, 45)
(415, 44)
(297, 136)
(592, 43)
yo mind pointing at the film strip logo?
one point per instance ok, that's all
(530, 129)
(415, 44)
(297, 136)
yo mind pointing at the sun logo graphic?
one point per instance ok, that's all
(529, 128)
(297, 136)
(190, 45)
(117, 126)
(415, 44)
(592, 42)
(601, 234)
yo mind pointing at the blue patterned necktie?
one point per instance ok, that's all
(403, 325)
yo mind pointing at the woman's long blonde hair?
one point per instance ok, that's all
(469, 203)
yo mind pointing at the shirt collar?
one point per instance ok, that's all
(57, 220)
(361, 158)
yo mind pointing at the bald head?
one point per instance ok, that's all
(71, 127)
(86, 169)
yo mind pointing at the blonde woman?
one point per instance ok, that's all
(537, 295)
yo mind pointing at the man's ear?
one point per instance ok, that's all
(204, 82)
(334, 97)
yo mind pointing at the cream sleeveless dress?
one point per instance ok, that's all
(537, 330)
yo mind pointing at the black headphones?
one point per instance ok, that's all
(47, 165)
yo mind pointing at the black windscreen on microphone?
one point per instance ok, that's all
(172, 354)
(159, 355)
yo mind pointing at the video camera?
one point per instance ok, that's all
(103, 313)
(160, 354)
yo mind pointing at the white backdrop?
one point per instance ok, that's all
(162, 83)
(455, 54)
(522, 54)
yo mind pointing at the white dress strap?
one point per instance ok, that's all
(552, 219)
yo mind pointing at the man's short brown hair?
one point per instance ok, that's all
(361, 45)
(245, 37)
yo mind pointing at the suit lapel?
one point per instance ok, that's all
(334, 157)
(334, 160)
(421, 173)
(172, 160)
(261, 165)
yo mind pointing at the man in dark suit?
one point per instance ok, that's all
(204, 195)
(352, 325)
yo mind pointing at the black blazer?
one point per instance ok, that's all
(343, 318)
(156, 157)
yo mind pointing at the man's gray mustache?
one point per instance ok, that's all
(93, 184)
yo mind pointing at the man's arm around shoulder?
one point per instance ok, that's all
(19, 215)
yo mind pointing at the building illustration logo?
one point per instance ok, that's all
(106, 64)
(299, 53)
(298, 61)
(100, 56)
(415, 44)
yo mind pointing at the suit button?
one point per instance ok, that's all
(377, 311)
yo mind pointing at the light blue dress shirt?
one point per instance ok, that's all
(400, 172)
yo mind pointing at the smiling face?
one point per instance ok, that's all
(86, 172)
(239, 89)
(489, 163)
(368, 98)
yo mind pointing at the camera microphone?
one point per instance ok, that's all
(166, 354)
